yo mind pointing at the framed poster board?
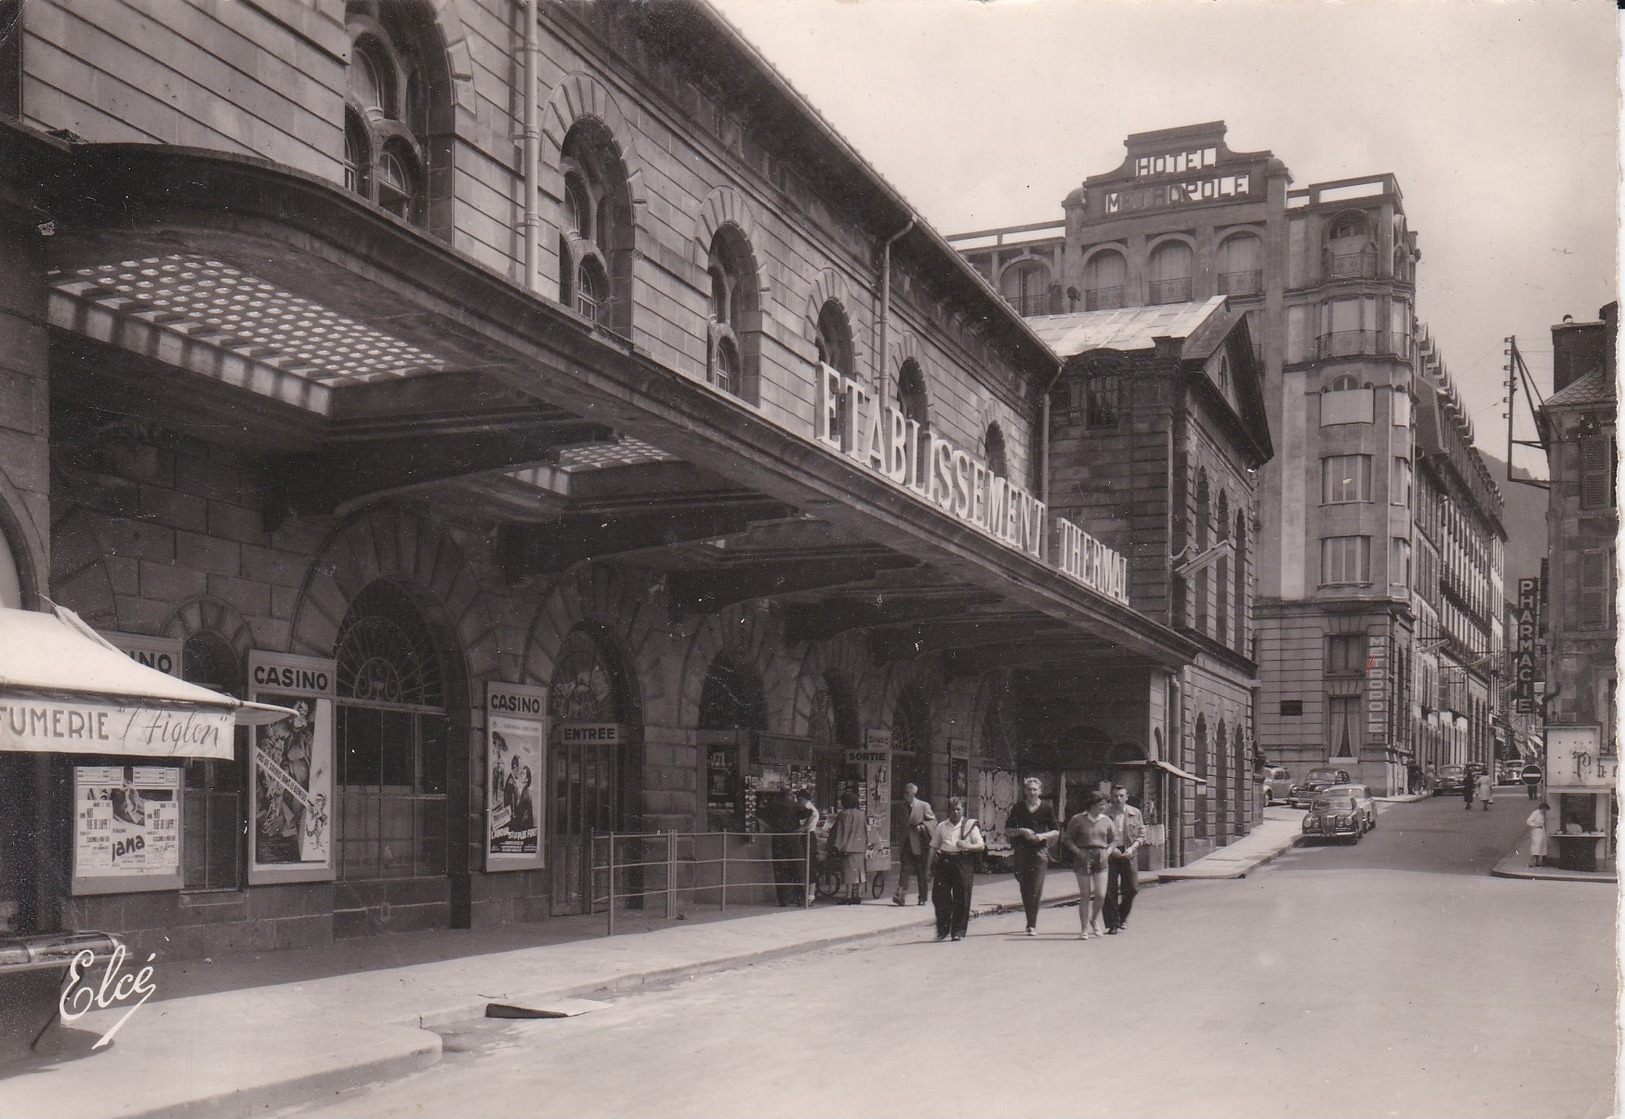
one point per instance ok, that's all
(290, 834)
(126, 828)
(516, 768)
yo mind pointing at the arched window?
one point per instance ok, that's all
(1221, 759)
(398, 100)
(834, 729)
(392, 738)
(833, 337)
(734, 314)
(1241, 265)
(993, 451)
(595, 228)
(1204, 767)
(1170, 269)
(1202, 575)
(212, 823)
(1105, 279)
(913, 403)
(732, 697)
(1025, 285)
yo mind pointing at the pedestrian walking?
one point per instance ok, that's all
(1122, 867)
(954, 846)
(1088, 837)
(1029, 827)
(778, 818)
(1467, 788)
(849, 839)
(1537, 834)
(915, 855)
(1486, 790)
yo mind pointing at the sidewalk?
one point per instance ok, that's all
(245, 1034)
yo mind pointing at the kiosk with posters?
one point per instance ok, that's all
(1582, 774)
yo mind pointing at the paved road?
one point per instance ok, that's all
(1394, 977)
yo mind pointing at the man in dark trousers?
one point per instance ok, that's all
(914, 853)
(1030, 827)
(781, 820)
(1122, 867)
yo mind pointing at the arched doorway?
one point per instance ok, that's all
(833, 728)
(393, 735)
(592, 777)
(733, 711)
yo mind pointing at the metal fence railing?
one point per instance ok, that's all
(668, 870)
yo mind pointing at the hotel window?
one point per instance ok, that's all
(595, 228)
(1345, 478)
(1345, 559)
(1343, 726)
(1102, 399)
(1345, 654)
(1402, 408)
(1241, 265)
(1026, 286)
(383, 158)
(1105, 276)
(1170, 269)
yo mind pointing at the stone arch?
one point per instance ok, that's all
(620, 616)
(752, 636)
(459, 59)
(207, 614)
(581, 96)
(842, 657)
(21, 535)
(79, 575)
(424, 561)
(830, 286)
(905, 347)
(724, 206)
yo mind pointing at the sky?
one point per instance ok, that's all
(1500, 120)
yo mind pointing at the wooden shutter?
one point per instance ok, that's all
(1595, 568)
(1596, 472)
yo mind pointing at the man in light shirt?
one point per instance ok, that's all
(1122, 867)
(915, 853)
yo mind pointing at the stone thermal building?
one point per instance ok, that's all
(544, 404)
(1360, 663)
(1579, 429)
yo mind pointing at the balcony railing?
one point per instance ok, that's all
(1348, 266)
(1171, 291)
(1363, 343)
(1241, 283)
(1103, 299)
(1033, 303)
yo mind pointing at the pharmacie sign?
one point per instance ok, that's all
(849, 421)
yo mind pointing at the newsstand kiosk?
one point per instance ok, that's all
(64, 689)
(1582, 779)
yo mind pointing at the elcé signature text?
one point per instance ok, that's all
(77, 1000)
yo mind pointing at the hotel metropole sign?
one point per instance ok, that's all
(848, 421)
(1191, 188)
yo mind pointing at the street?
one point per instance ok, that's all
(1393, 977)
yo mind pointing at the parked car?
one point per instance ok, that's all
(1333, 817)
(1508, 773)
(1363, 800)
(1275, 782)
(1450, 780)
(1302, 793)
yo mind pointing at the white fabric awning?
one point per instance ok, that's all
(64, 689)
(1169, 767)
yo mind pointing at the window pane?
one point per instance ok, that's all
(397, 749)
(435, 735)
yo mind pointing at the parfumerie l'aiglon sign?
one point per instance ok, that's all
(930, 468)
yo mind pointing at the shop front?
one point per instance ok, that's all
(1582, 783)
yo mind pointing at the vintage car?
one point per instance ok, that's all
(1450, 780)
(1301, 793)
(1363, 800)
(1508, 772)
(1274, 781)
(1333, 817)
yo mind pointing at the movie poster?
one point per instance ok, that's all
(290, 838)
(126, 828)
(515, 737)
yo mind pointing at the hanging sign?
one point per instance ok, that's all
(291, 779)
(126, 828)
(515, 733)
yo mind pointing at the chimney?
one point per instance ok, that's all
(1577, 349)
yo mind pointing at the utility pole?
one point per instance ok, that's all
(1518, 378)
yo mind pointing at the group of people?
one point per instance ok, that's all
(1482, 787)
(792, 819)
(1102, 843)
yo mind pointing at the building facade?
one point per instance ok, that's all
(1326, 279)
(1578, 427)
(544, 403)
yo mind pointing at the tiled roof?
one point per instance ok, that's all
(1129, 328)
(1594, 388)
